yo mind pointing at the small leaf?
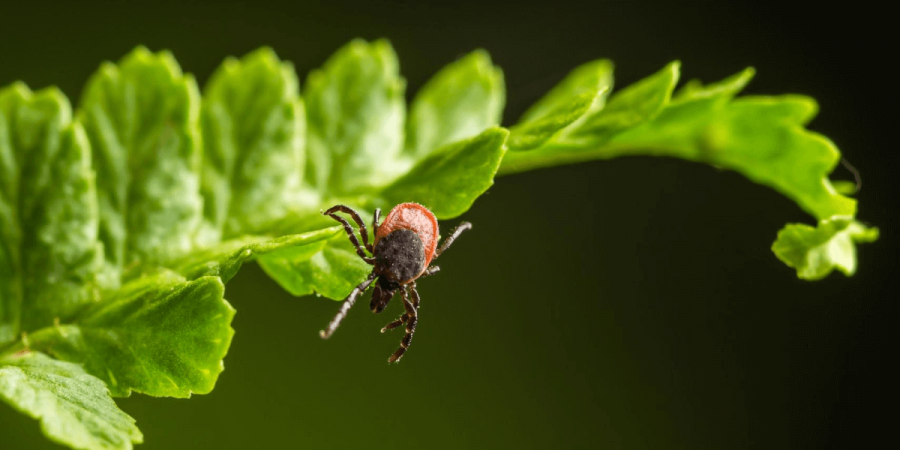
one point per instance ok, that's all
(633, 105)
(727, 88)
(74, 408)
(224, 259)
(253, 138)
(449, 180)
(48, 212)
(460, 101)
(159, 335)
(355, 110)
(531, 135)
(589, 78)
(141, 117)
(584, 90)
(330, 268)
(816, 251)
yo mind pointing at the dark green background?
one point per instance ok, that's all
(631, 304)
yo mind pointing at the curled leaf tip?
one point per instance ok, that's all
(816, 251)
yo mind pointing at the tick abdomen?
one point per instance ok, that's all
(414, 217)
(400, 256)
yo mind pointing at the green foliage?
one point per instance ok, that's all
(48, 209)
(355, 114)
(459, 102)
(816, 251)
(142, 118)
(452, 177)
(584, 90)
(225, 258)
(120, 227)
(331, 269)
(594, 79)
(762, 138)
(631, 106)
(74, 408)
(159, 335)
(124, 275)
(253, 140)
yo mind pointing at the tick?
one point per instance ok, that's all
(404, 248)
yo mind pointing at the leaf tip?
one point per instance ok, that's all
(749, 72)
(674, 67)
(264, 53)
(18, 87)
(139, 52)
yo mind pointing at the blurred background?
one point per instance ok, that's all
(629, 304)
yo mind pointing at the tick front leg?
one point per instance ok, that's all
(349, 230)
(348, 303)
(430, 271)
(453, 235)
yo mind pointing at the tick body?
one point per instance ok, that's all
(404, 247)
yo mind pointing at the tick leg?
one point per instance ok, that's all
(359, 222)
(348, 303)
(395, 323)
(380, 299)
(430, 271)
(412, 320)
(377, 292)
(415, 294)
(405, 316)
(375, 219)
(453, 235)
(362, 230)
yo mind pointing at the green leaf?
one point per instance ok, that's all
(331, 268)
(449, 180)
(633, 105)
(74, 408)
(589, 78)
(224, 259)
(48, 212)
(763, 138)
(253, 138)
(584, 90)
(816, 251)
(727, 88)
(459, 102)
(160, 336)
(355, 112)
(142, 119)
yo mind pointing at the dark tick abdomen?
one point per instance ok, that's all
(400, 256)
